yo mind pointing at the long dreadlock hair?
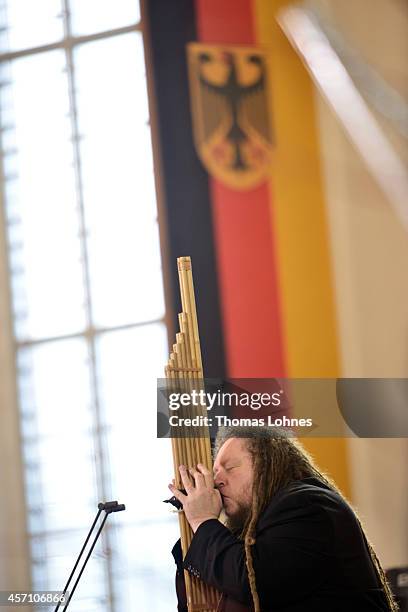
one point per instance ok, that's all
(278, 458)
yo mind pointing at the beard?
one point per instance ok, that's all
(236, 520)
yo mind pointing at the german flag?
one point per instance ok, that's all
(261, 254)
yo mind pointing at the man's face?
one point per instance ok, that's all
(233, 476)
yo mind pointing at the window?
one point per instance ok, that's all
(87, 297)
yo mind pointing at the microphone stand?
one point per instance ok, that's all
(108, 507)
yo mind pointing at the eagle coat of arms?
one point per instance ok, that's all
(231, 122)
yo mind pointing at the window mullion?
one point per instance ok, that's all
(70, 41)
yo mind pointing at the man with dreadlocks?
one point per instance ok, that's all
(291, 542)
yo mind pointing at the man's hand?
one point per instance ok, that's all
(202, 501)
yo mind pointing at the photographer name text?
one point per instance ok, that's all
(224, 421)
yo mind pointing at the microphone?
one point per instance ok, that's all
(108, 508)
(119, 508)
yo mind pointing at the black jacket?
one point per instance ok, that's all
(310, 555)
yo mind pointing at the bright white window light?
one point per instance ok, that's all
(89, 16)
(87, 294)
(25, 24)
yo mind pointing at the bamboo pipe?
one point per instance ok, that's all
(185, 373)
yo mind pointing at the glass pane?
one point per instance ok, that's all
(45, 254)
(56, 418)
(88, 16)
(128, 365)
(53, 558)
(118, 181)
(146, 551)
(129, 362)
(25, 24)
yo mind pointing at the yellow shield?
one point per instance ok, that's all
(232, 128)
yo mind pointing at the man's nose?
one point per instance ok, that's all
(219, 480)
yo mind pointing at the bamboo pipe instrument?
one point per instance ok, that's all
(184, 373)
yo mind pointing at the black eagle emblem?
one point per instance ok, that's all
(230, 112)
(234, 95)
